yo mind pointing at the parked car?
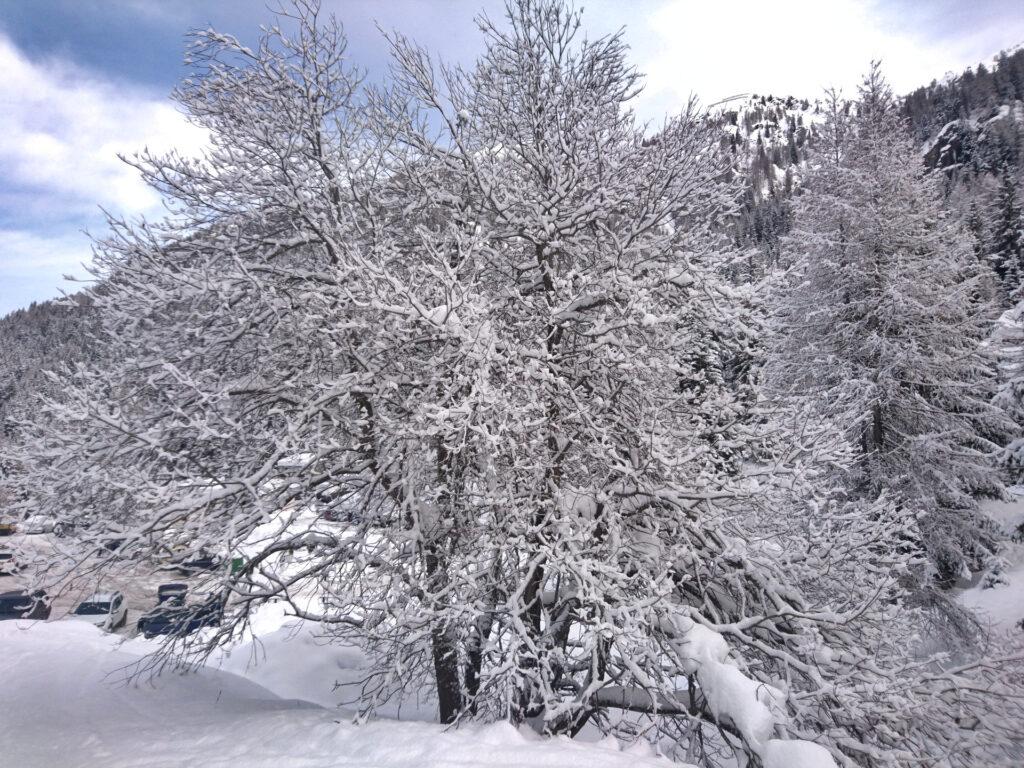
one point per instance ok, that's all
(8, 564)
(174, 592)
(36, 524)
(169, 597)
(106, 610)
(201, 562)
(178, 619)
(7, 528)
(113, 543)
(24, 605)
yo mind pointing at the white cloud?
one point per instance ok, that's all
(61, 129)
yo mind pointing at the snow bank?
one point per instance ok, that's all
(287, 656)
(67, 703)
(752, 707)
(795, 754)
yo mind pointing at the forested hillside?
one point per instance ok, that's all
(970, 127)
(42, 337)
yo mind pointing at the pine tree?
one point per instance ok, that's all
(1006, 236)
(1008, 340)
(881, 328)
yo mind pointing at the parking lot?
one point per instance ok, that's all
(138, 586)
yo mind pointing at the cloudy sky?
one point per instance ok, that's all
(84, 80)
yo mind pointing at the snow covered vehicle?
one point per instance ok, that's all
(201, 562)
(174, 592)
(24, 605)
(8, 563)
(174, 618)
(106, 610)
(37, 524)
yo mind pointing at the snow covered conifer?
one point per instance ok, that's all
(1008, 341)
(1005, 239)
(881, 328)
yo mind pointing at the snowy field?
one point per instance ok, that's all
(68, 704)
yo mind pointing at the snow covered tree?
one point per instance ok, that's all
(1007, 340)
(881, 329)
(445, 364)
(1006, 236)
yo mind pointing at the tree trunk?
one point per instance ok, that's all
(446, 674)
(444, 644)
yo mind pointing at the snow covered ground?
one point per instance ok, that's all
(67, 703)
(274, 699)
(1001, 607)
